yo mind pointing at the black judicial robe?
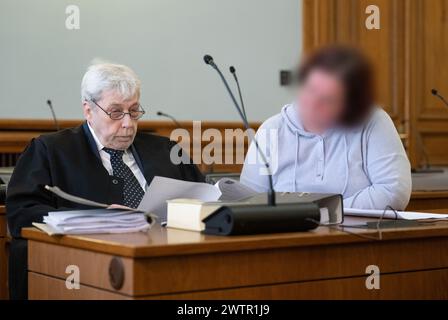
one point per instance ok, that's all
(70, 160)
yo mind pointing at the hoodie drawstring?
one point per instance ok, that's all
(346, 165)
(294, 187)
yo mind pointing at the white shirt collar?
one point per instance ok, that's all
(99, 145)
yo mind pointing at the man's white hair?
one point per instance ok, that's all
(109, 76)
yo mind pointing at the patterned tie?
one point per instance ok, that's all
(133, 192)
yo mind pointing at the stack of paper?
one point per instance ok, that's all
(94, 221)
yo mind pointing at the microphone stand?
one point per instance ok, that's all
(56, 123)
(246, 218)
(271, 193)
(233, 72)
(166, 115)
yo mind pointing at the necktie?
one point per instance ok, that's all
(132, 192)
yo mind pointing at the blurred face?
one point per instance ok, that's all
(321, 101)
(114, 134)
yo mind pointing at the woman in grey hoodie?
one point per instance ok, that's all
(332, 139)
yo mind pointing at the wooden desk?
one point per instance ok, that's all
(175, 264)
(3, 255)
(427, 200)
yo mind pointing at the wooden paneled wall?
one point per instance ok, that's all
(429, 69)
(410, 55)
(16, 134)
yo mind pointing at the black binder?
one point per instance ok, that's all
(294, 212)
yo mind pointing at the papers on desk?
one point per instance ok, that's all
(102, 220)
(163, 189)
(232, 190)
(93, 221)
(153, 203)
(401, 215)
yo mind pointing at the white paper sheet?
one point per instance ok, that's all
(162, 189)
(233, 190)
(402, 215)
(94, 221)
(57, 231)
(90, 213)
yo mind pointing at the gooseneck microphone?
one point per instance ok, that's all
(56, 123)
(438, 95)
(271, 193)
(166, 115)
(233, 72)
(245, 218)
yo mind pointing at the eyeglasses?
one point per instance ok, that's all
(118, 115)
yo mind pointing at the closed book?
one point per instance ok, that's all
(188, 214)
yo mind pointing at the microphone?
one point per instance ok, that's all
(166, 115)
(56, 123)
(209, 60)
(271, 193)
(233, 72)
(438, 95)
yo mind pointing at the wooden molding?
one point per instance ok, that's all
(15, 134)
(47, 125)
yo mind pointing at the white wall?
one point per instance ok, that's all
(162, 40)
